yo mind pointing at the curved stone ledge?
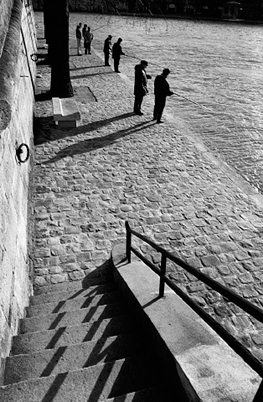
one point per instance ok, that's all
(8, 64)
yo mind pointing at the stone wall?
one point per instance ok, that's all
(17, 77)
(5, 7)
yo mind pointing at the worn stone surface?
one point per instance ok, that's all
(24, 367)
(117, 166)
(95, 382)
(17, 93)
(6, 7)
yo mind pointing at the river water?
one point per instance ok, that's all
(217, 65)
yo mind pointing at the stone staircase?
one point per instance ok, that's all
(79, 342)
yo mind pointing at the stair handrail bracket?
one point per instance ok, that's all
(232, 296)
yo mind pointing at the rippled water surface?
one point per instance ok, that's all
(217, 65)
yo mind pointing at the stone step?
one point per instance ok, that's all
(73, 357)
(95, 383)
(73, 294)
(163, 393)
(66, 336)
(74, 285)
(70, 318)
(73, 304)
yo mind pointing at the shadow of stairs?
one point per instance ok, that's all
(79, 342)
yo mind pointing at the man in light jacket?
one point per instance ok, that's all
(107, 49)
(78, 37)
(140, 86)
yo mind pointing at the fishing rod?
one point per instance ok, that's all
(190, 100)
(150, 62)
(100, 27)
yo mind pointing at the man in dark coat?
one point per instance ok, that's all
(84, 29)
(107, 50)
(88, 40)
(161, 91)
(140, 86)
(116, 54)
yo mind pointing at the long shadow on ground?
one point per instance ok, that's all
(46, 131)
(85, 67)
(96, 143)
(91, 75)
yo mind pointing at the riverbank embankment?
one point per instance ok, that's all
(117, 166)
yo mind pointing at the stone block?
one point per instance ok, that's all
(65, 112)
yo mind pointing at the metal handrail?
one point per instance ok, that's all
(245, 305)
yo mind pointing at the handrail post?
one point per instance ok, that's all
(128, 242)
(163, 272)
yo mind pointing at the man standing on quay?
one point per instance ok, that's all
(161, 91)
(116, 54)
(140, 86)
(88, 38)
(78, 37)
(107, 50)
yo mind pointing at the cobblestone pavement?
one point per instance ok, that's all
(117, 166)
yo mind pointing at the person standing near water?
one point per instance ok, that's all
(84, 29)
(116, 54)
(140, 86)
(107, 49)
(78, 37)
(88, 38)
(161, 91)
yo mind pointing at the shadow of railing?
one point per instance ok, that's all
(54, 388)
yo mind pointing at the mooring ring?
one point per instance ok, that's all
(34, 57)
(20, 152)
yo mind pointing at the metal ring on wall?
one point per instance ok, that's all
(34, 57)
(20, 151)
